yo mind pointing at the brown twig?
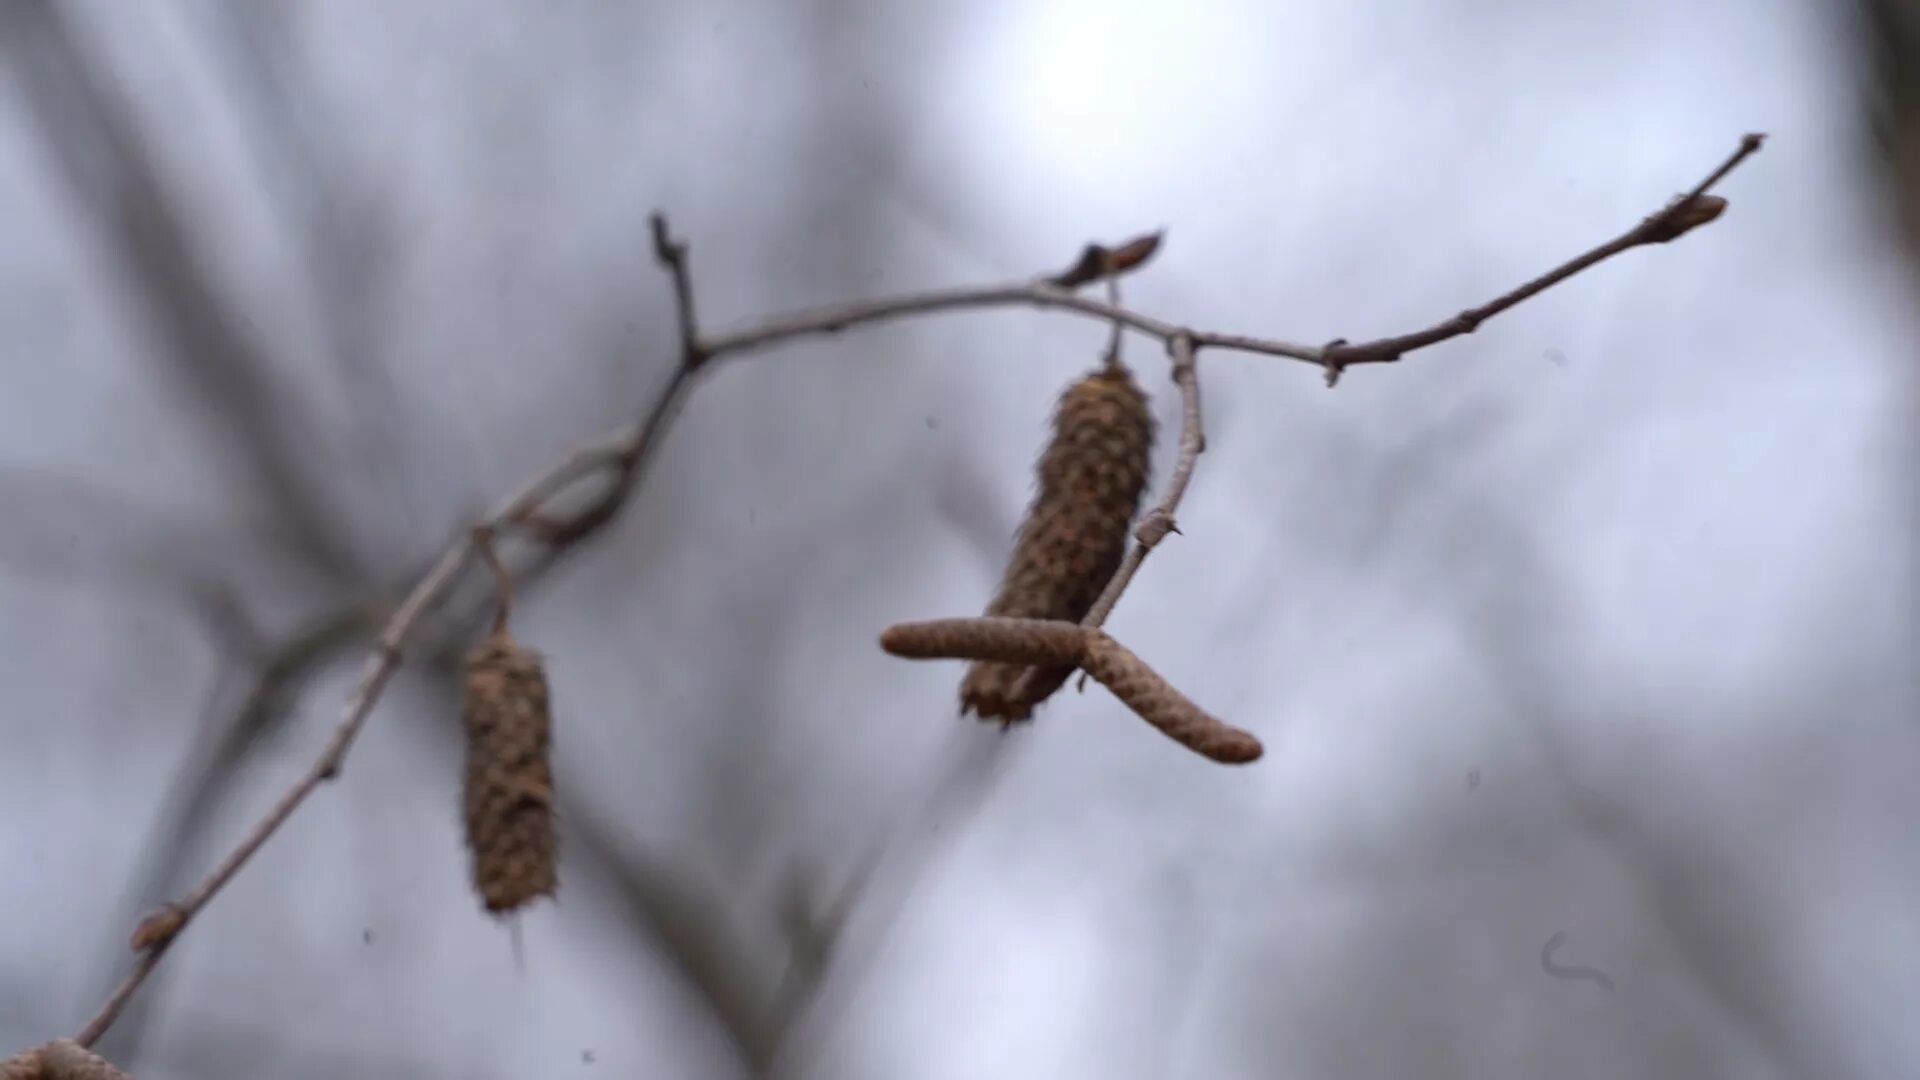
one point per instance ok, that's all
(673, 258)
(1687, 212)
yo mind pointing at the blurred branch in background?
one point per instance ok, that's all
(107, 162)
(1887, 36)
(343, 228)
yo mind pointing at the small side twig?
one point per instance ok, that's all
(672, 256)
(503, 581)
(1683, 214)
(1678, 217)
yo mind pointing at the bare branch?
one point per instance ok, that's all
(623, 453)
(1040, 294)
(1683, 214)
(1687, 212)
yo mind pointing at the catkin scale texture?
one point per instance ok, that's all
(61, 1059)
(509, 786)
(1090, 479)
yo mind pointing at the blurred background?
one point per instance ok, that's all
(1582, 648)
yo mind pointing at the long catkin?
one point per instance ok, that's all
(1155, 700)
(1090, 479)
(509, 787)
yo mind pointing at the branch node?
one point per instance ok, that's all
(1154, 527)
(158, 928)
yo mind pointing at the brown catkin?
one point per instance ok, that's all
(1115, 667)
(988, 637)
(1090, 480)
(509, 790)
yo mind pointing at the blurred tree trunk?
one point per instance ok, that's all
(1887, 37)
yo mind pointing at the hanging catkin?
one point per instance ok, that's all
(509, 790)
(1090, 480)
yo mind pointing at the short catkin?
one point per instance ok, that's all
(1090, 479)
(509, 788)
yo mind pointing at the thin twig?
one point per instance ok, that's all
(1160, 520)
(1676, 218)
(1040, 294)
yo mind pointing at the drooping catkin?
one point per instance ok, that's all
(1090, 480)
(1157, 702)
(509, 787)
